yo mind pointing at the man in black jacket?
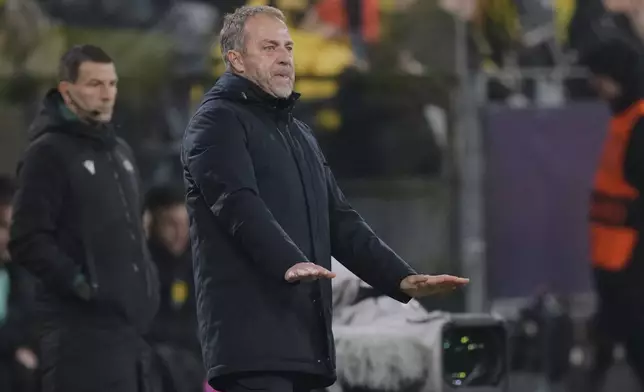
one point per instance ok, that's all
(77, 228)
(266, 216)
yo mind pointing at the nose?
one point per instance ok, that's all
(107, 93)
(285, 57)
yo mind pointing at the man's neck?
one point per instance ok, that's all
(69, 112)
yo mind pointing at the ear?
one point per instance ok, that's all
(63, 89)
(236, 61)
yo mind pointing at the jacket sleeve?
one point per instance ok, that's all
(37, 206)
(221, 167)
(355, 245)
(634, 157)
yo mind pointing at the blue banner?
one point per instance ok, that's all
(539, 171)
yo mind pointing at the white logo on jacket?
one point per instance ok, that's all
(128, 166)
(89, 165)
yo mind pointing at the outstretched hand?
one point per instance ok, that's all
(417, 286)
(307, 272)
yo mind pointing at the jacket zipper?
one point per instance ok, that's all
(128, 217)
(300, 170)
(321, 309)
(291, 144)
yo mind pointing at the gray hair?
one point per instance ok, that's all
(232, 33)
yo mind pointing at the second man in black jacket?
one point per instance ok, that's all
(77, 228)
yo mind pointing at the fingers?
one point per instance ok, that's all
(328, 274)
(456, 279)
(308, 271)
(443, 279)
(424, 285)
(431, 284)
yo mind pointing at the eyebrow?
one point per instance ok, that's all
(100, 81)
(276, 43)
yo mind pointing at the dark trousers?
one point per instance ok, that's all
(268, 382)
(605, 339)
(619, 320)
(93, 360)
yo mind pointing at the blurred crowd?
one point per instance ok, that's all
(166, 53)
(352, 57)
(167, 59)
(332, 35)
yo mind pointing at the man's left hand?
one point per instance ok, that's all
(27, 358)
(417, 286)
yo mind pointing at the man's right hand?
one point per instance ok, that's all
(306, 272)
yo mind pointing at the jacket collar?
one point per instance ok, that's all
(238, 88)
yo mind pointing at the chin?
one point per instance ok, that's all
(282, 93)
(104, 118)
(281, 90)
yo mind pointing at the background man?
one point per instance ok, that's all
(266, 216)
(77, 228)
(174, 331)
(616, 207)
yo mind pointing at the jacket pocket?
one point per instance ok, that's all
(90, 265)
(118, 283)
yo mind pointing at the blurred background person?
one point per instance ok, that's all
(359, 20)
(617, 206)
(173, 334)
(18, 362)
(76, 227)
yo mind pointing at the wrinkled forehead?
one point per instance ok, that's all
(266, 28)
(102, 72)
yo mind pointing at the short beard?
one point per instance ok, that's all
(285, 95)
